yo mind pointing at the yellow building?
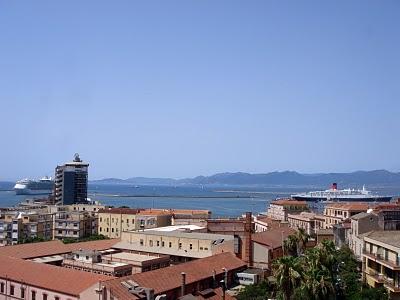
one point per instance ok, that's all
(381, 261)
(336, 213)
(113, 221)
(179, 245)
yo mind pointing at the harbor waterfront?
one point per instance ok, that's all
(223, 201)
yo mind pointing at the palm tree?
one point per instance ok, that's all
(302, 238)
(317, 283)
(290, 245)
(287, 271)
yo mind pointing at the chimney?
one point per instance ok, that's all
(214, 281)
(149, 294)
(247, 240)
(225, 277)
(183, 286)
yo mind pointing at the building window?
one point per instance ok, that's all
(11, 290)
(107, 229)
(112, 229)
(180, 245)
(44, 296)
(127, 221)
(158, 243)
(112, 220)
(163, 243)
(2, 287)
(170, 244)
(23, 293)
(101, 229)
(33, 293)
(56, 298)
(101, 219)
(190, 246)
(141, 242)
(151, 243)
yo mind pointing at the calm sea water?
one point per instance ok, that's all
(221, 200)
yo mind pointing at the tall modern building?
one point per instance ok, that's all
(71, 182)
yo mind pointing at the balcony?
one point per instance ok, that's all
(379, 258)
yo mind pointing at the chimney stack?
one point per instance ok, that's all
(225, 277)
(247, 239)
(183, 286)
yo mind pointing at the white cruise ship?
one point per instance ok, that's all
(42, 186)
(333, 194)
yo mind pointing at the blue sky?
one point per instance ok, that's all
(183, 88)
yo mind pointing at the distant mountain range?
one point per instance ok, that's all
(285, 178)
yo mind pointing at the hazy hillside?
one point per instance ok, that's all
(288, 178)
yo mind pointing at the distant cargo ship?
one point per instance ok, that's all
(42, 186)
(333, 194)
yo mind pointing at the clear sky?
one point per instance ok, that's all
(184, 88)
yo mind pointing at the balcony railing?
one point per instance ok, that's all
(378, 257)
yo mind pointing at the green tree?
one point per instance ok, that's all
(290, 245)
(317, 283)
(288, 275)
(302, 240)
(255, 292)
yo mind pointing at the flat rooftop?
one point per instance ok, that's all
(48, 259)
(188, 235)
(176, 228)
(131, 256)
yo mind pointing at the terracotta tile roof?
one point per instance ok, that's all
(388, 206)
(57, 279)
(272, 238)
(288, 202)
(167, 279)
(351, 206)
(124, 211)
(305, 216)
(154, 212)
(33, 250)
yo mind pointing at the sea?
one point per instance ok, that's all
(223, 201)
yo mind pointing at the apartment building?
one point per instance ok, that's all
(336, 213)
(389, 215)
(359, 225)
(381, 261)
(113, 221)
(279, 209)
(71, 181)
(75, 224)
(310, 222)
(180, 246)
(19, 226)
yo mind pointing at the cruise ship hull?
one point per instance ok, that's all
(343, 198)
(26, 191)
